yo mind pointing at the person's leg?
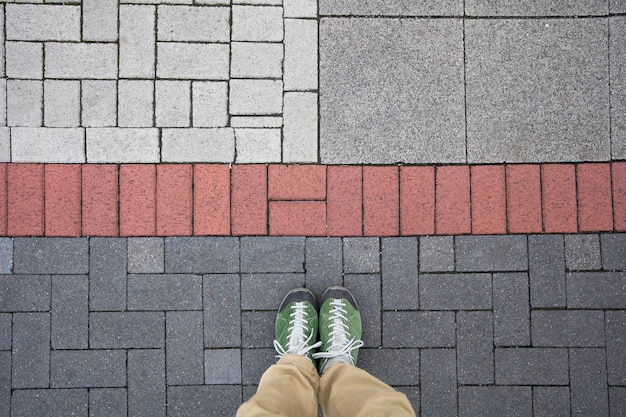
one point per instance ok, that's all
(289, 388)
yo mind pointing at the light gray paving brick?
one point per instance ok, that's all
(257, 23)
(300, 8)
(50, 255)
(617, 51)
(535, 8)
(617, 6)
(222, 307)
(400, 289)
(5, 383)
(61, 103)
(204, 61)
(367, 292)
(531, 366)
(256, 97)
(436, 253)
(31, 22)
(256, 121)
(6, 253)
(164, 292)
(2, 48)
(31, 350)
(455, 291)
(24, 293)
(99, 103)
(87, 368)
(136, 103)
(126, 330)
(475, 347)
(184, 347)
(146, 383)
(300, 129)
(614, 251)
(361, 255)
(81, 60)
(100, 20)
(427, 329)
(202, 255)
(137, 40)
(391, 8)
(107, 274)
(198, 145)
(158, 1)
(438, 384)
(511, 315)
(58, 145)
(146, 255)
(6, 329)
(70, 308)
(203, 400)
(24, 60)
(567, 328)
(104, 402)
(257, 145)
(48, 403)
(256, 60)
(551, 402)
(222, 366)
(300, 54)
(616, 346)
(582, 252)
(3, 101)
(24, 103)
(588, 387)
(209, 103)
(512, 401)
(122, 145)
(265, 291)
(546, 270)
(173, 103)
(5, 155)
(259, 2)
(193, 24)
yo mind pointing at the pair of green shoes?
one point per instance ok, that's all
(338, 320)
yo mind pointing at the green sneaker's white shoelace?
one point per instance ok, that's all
(339, 345)
(298, 341)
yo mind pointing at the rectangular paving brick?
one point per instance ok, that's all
(436, 253)
(24, 103)
(193, 24)
(50, 255)
(222, 306)
(209, 104)
(488, 199)
(100, 20)
(438, 382)
(475, 360)
(265, 291)
(122, 145)
(5, 383)
(428, 329)
(174, 194)
(211, 199)
(495, 401)
(70, 308)
(3, 199)
(6, 330)
(616, 346)
(107, 274)
(126, 330)
(24, 60)
(300, 127)
(137, 54)
(582, 252)
(62, 104)
(265, 254)
(31, 350)
(551, 401)
(366, 289)
(164, 292)
(222, 366)
(546, 271)
(184, 347)
(43, 22)
(345, 201)
(80, 60)
(558, 193)
(100, 200)
(595, 211)
(249, 200)
(399, 266)
(567, 328)
(99, 103)
(25, 194)
(588, 388)
(455, 291)
(6, 255)
(146, 383)
(24, 293)
(135, 103)
(58, 145)
(546, 8)
(203, 400)
(257, 328)
(380, 201)
(324, 263)
(531, 366)
(361, 255)
(390, 365)
(523, 193)
(107, 401)
(196, 145)
(297, 218)
(301, 46)
(172, 107)
(137, 185)
(511, 315)
(201, 255)
(192, 61)
(596, 290)
(452, 200)
(61, 402)
(146, 255)
(491, 253)
(62, 200)
(618, 171)
(87, 368)
(617, 397)
(296, 182)
(417, 200)
(613, 251)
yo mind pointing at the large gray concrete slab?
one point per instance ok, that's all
(391, 90)
(617, 29)
(536, 7)
(537, 90)
(390, 7)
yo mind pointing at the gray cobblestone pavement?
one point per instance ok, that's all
(471, 325)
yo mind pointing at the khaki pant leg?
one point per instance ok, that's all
(288, 388)
(347, 391)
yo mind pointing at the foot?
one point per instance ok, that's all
(340, 328)
(296, 324)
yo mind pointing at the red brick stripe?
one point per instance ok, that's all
(137, 200)
(25, 199)
(594, 198)
(100, 200)
(523, 193)
(452, 200)
(488, 199)
(417, 201)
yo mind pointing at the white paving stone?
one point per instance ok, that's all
(259, 2)
(48, 145)
(122, 145)
(24, 60)
(198, 145)
(99, 103)
(251, 97)
(256, 121)
(210, 103)
(300, 8)
(3, 102)
(258, 145)
(300, 142)
(173, 104)
(5, 144)
(157, 1)
(2, 40)
(30, 22)
(256, 60)
(81, 60)
(61, 103)
(100, 20)
(24, 103)
(257, 23)
(300, 54)
(135, 103)
(137, 25)
(193, 24)
(193, 61)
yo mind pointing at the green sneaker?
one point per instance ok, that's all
(296, 324)
(340, 328)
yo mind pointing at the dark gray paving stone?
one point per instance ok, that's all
(419, 329)
(146, 255)
(272, 254)
(106, 402)
(614, 251)
(495, 401)
(535, 8)
(588, 388)
(222, 366)
(31, 350)
(254, 362)
(184, 347)
(582, 252)
(5, 331)
(5, 383)
(203, 401)
(438, 382)
(87, 368)
(617, 399)
(511, 315)
(124, 330)
(596, 290)
(531, 366)
(6, 255)
(50, 255)
(400, 273)
(202, 254)
(50, 403)
(491, 253)
(551, 402)
(165, 292)
(366, 291)
(546, 79)
(324, 263)
(390, 8)
(617, 53)
(361, 255)
(266, 291)
(70, 312)
(475, 347)
(257, 329)
(146, 383)
(222, 306)
(436, 253)
(567, 328)
(616, 346)
(546, 271)
(455, 291)
(392, 366)
(391, 90)
(249, 391)
(107, 274)
(24, 293)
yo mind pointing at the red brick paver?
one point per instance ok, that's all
(417, 201)
(594, 197)
(211, 200)
(345, 201)
(249, 200)
(452, 200)
(137, 200)
(62, 200)
(558, 190)
(380, 201)
(25, 199)
(619, 196)
(523, 194)
(100, 200)
(488, 199)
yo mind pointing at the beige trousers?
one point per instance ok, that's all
(291, 388)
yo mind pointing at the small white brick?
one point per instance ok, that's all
(300, 130)
(81, 60)
(100, 20)
(24, 60)
(194, 24)
(137, 25)
(257, 23)
(48, 145)
(250, 97)
(158, 1)
(173, 103)
(3, 101)
(198, 145)
(2, 39)
(135, 103)
(39, 22)
(99, 103)
(256, 121)
(257, 145)
(214, 2)
(256, 60)
(300, 8)
(300, 54)
(5, 144)
(193, 61)
(122, 145)
(24, 103)
(210, 103)
(61, 103)
(259, 2)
